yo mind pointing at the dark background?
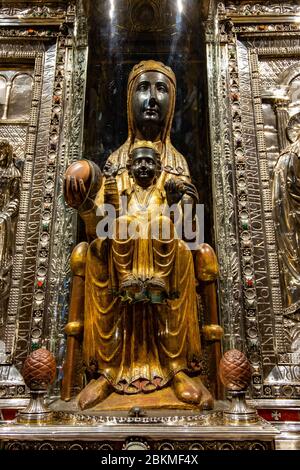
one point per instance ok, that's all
(124, 32)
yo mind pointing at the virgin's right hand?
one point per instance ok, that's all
(76, 183)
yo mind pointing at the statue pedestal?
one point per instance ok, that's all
(163, 399)
(159, 430)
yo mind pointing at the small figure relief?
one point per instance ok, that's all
(286, 213)
(10, 179)
(134, 294)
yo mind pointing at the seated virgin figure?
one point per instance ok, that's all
(137, 293)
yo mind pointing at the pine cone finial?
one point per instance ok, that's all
(39, 369)
(235, 370)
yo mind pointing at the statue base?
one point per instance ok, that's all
(179, 430)
(161, 399)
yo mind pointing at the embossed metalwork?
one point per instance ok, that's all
(45, 156)
(226, 223)
(48, 203)
(285, 214)
(80, 56)
(36, 11)
(10, 178)
(17, 135)
(11, 381)
(212, 445)
(210, 419)
(58, 276)
(71, 142)
(35, 56)
(167, 445)
(258, 58)
(286, 62)
(269, 29)
(269, 7)
(51, 13)
(258, 61)
(246, 190)
(261, 214)
(146, 16)
(16, 90)
(184, 433)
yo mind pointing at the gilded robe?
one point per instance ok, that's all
(138, 347)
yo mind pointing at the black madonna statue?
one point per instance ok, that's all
(134, 300)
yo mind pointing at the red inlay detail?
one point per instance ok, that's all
(278, 415)
(8, 414)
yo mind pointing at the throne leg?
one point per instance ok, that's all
(207, 271)
(74, 327)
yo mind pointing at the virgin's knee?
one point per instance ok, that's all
(78, 259)
(206, 263)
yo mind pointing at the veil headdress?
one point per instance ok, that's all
(172, 161)
(139, 69)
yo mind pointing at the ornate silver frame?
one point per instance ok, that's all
(53, 36)
(250, 293)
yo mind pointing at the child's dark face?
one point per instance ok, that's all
(143, 166)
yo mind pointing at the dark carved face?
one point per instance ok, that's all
(143, 167)
(151, 99)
